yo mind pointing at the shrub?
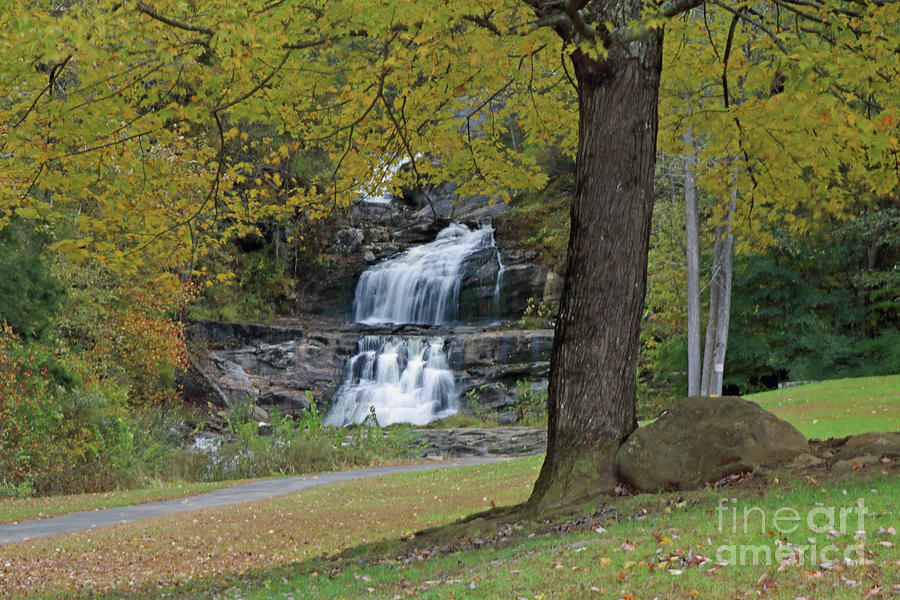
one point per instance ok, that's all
(55, 440)
(295, 446)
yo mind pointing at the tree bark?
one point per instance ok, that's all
(592, 374)
(719, 306)
(723, 318)
(715, 289)
(692, 257)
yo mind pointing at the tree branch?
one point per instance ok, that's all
(151, 12)
(742, 14)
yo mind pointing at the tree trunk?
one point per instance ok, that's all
(723, 318)
(715, 289)
(692, 256)
(592, 373)
(719, 307)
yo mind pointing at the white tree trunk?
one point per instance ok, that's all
(723, 318)
(692, 256)
(715, 289)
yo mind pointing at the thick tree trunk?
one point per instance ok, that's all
(592, 373)
(692, 256)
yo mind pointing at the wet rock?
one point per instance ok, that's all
(478, 285)
(702, 439)
(229, 364)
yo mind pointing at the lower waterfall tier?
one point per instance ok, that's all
(400, 380)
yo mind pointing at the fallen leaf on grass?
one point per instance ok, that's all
(765, 582)
(813, 575)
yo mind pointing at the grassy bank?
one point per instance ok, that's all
(837, 408)
(652, 546)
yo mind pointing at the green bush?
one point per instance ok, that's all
(55, 440)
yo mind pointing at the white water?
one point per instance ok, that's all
(421, 285)
(405, 380)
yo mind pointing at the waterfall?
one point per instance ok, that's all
(419, 286)
(500, 272)
(405, 380)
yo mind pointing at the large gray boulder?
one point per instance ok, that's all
(701, 440)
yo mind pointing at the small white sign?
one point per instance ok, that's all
(719, 367)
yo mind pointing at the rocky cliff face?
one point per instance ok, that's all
(276, 365)
(370, 233)
(279, 365)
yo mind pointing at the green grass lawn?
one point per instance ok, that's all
(645, 546)
(837, 408)
(203, 548)
(655, 546)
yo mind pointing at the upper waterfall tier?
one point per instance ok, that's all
(420, 286)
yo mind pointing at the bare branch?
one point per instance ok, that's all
(744, 16)
(54, 71)
(265, 81)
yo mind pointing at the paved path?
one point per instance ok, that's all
(247, 492)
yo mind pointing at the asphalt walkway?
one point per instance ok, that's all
(247, 492)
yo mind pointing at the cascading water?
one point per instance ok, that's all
(404, 380)
(421, 285)
(407, 380)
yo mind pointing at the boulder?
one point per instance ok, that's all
(701, 440)
(348, 240)
(285, 401)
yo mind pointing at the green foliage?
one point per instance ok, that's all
(532, 404)
(57, 440)
(30, 295)
(810, 308)
(124, 329)
(539, 221)
(536, 316)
